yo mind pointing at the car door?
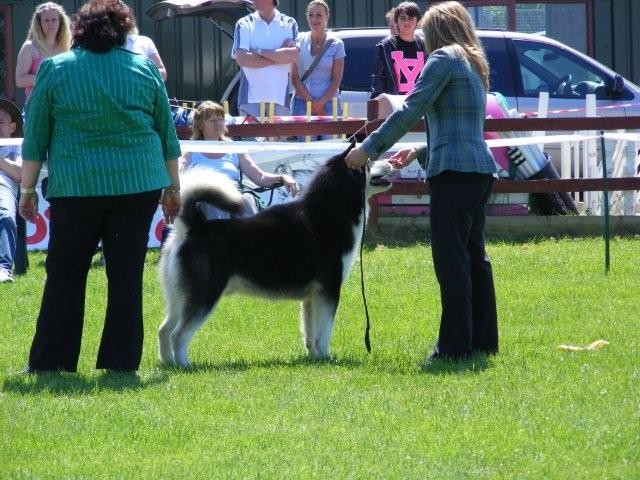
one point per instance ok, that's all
(541, 66)
(501, 77)
(360, 53)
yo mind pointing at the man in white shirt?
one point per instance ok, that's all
(264, 48)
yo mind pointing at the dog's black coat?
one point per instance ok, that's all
(294, 250)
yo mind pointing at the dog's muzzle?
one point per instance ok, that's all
(379, 181)
(379, 173)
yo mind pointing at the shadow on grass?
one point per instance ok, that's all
(474, 364)
(65, 384)
(242, 365)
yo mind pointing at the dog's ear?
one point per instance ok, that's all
(339, 158)
(352, 145)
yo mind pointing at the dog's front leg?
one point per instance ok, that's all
(317, 322)
(324, 312)
(307, 326)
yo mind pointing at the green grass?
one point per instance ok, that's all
(252, 406)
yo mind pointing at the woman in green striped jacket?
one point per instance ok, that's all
(99, 115)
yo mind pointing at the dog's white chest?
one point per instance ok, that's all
(349, 258)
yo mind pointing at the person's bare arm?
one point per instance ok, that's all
(255, 173)
(155, 58)
(301, 90)
(282, 56)
(11, 168)
(265, 179)
(170, 199)
(28, 206)
(248, 59)
(25, 79)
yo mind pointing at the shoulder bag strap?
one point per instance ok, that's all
(313, 66)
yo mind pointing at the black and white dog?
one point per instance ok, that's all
(302, 250)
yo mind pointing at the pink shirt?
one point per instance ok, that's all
(35, 63)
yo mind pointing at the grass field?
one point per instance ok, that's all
(252, 406)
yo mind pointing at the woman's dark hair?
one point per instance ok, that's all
(101, 25)
(410, 9)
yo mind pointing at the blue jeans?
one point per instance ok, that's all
(8, 209)
(300, 108)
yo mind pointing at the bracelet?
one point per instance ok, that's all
(172, 189)
(27, 190)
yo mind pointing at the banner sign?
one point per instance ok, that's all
(38, 233)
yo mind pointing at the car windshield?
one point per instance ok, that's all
(549, 68)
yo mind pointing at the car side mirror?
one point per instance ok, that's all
(616, 86)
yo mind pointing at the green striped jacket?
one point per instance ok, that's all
(102, 122)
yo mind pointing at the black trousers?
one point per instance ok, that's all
(76, 224)
(469, 320)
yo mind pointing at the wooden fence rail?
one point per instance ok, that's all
(419, 188)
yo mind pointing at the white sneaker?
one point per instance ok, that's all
(6, 276)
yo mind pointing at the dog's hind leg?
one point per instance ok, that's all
(181, 336)
(323, 314)
(174, 305)
(165, 351)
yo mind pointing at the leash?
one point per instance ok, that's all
(367, 340)
(352, 137)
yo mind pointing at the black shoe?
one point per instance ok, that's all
(117, 371)
(485, 351)
(436, 356)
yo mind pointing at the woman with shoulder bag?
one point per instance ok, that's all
(318, 73)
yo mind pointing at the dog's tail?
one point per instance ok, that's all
(200, 184)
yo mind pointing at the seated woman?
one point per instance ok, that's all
(209, 124)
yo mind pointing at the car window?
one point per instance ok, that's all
(358, 67)
(501, 77)
(561, 73)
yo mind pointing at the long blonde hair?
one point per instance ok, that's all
(449, 24)
(202, 113)
(63, 37)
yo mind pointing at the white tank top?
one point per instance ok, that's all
(228, 165)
